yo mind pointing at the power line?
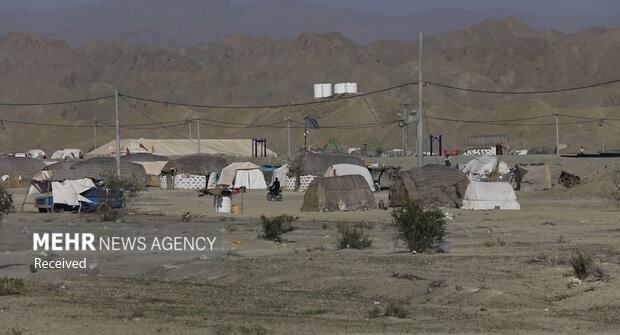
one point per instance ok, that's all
(56, 102)
(150, 118)
(522, 92)
(163, 102)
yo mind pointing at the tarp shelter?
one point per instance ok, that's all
(281, 174)
(152, 165)
(435, 185)
(68, 154)
(36, 153)
(480, 169)
(68, 191)
(179, 147)
(243, 174)
(350, 169)
(490, 195)
(532, 177)
(342, 193)
(18, 171)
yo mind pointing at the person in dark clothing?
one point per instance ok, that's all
(448, 162)
(275, 187)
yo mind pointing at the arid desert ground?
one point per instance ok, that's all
(507, 272)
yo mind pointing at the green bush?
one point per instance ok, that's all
(352, 238)
(11, 286)
(131, 187)
(421, 230)
(582, 265)
(6, 200)
(273, 228)
(395, 310)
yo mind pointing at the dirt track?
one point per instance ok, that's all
(506, 273)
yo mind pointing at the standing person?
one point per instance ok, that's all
(447, 161)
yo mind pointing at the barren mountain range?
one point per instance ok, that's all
(185, 23)
(240, 70)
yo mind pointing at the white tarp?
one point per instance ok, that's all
(350, 169)
(483, 166)
(68, 191)
(243, 174)
(67, 154)
(490, 195)
(281, 174)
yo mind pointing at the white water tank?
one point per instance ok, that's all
(340, 88)
(223, 204)
(318, 91)
(351, 87)
(326, 90)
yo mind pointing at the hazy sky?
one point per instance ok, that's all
(397, 7)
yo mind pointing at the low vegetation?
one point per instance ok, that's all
(352, 238)
(273, 228)
(6, 200)
(12, 286)
(421, 229)
(582, 265)
(130, 186)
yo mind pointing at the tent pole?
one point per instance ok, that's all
(118, 139)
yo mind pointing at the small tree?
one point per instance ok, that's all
(582, 265)
(353, 238)
(420, 229)
(6, 200)
(273, 228)
(130, 187)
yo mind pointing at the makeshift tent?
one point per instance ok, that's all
(152, 165)
(342, 193)
(435, 185)
(350, 169)
(179, 147)
(481, 168)
(96, 168)
(18, 171)
(317, 164)
(192, 172)
(532, 177)
(36, 153)
(68, 191)
(490, 195)
(68, 154)
(243, 174)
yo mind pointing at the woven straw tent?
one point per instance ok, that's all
(19, 170)
(344, 193)
(96, 167)
(532, 177)
(201, 165)
(435, 185)
(317, 164)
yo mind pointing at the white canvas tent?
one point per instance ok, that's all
(68, 191)
(350, 169)
(67, 154)
(179, 147)
(491, 195)
(243, 174)
(480, 168)
(281, 174)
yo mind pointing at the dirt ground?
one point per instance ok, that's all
(507, 272)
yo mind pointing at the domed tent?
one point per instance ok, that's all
(435, 185)
(342, 193)
(243, 174)
(98, 167)
(350, 169)
(490, 195)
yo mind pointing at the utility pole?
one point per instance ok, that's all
(603, 135)
(95, 133)
(118, 138)
(557, 133)
(288, 119)
(190, 127)
(198, 133)
(420, 128)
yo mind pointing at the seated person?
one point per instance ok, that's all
(275, 187)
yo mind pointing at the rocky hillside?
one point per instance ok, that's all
(239, 70)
